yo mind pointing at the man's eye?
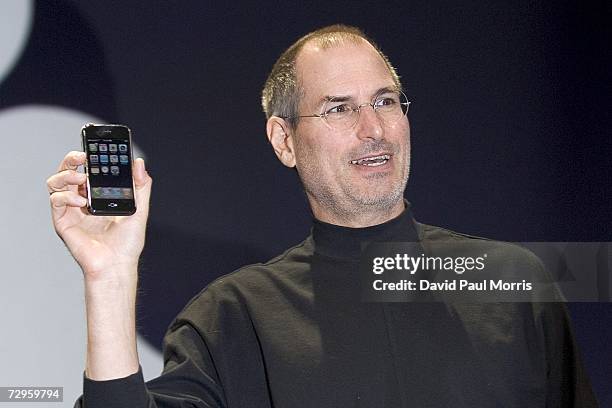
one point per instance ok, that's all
(384, 102)
(339, 109)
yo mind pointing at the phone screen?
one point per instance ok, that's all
(109, 169)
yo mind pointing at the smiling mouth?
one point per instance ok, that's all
(372, 161)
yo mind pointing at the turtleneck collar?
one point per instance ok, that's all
(345, 242)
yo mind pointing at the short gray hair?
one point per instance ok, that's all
(281, 94)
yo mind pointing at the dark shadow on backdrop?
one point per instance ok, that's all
(64, 64)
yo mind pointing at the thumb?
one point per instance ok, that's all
(142, 183)
(141, 176)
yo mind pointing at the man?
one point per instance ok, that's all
(293, 332)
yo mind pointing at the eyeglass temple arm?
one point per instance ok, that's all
(303, 116)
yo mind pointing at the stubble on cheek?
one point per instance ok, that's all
(344, 191)
(311, 165)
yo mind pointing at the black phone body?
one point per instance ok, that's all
(110, 186)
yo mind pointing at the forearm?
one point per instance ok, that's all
(191, 379)
(111, 326)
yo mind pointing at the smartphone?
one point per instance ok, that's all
(108, 165)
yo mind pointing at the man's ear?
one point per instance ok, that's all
(280, 137)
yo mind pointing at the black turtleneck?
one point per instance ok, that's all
(345, 242)
(293, 333)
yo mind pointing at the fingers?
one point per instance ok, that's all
(67, 198)
(71, 161)
(62, 199)
(64, 180)
(67, 178)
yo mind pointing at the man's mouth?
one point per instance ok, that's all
(372, 161)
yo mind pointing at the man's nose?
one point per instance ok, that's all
(369, 125)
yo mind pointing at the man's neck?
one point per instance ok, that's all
(364, 217)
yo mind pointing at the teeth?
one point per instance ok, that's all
(375, 164)
(372, 161)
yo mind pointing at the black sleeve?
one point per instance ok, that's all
(568, 385)
(189, 379)
(119, 392)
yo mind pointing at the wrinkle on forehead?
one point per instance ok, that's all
(352, 68)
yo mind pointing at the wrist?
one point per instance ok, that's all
(115, 277)
(110, 305)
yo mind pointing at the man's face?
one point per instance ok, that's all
(325, 157)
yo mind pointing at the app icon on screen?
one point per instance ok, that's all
(93, 147)
(114, 170)
(123, 159)
(102, 147)
(104, 158)
(95, 170)
(114, 159)
(112, 148)
(104, 169)
(93, 158)
(122, 148)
